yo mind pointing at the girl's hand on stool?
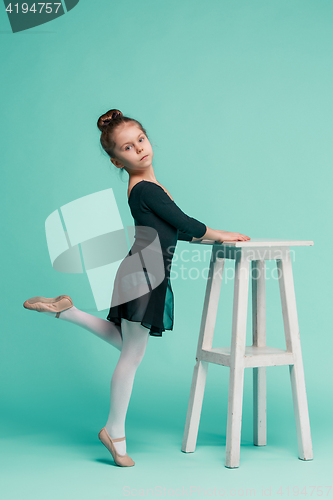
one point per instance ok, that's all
(228, 236)
(221, 236)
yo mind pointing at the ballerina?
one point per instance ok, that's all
(130, 322)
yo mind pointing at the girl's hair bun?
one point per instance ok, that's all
(108, 117)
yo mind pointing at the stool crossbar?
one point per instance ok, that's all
(238, 356)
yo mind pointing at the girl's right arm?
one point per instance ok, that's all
(154, 197)
(221, 236)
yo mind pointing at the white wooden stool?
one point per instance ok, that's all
(258, 355)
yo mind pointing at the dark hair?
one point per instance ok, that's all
(107, 123)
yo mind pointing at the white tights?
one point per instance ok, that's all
(131, 340)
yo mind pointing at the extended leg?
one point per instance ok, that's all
(103, 328)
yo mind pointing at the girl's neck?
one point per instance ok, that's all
(147, 175)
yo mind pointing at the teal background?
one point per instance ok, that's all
(236, 97)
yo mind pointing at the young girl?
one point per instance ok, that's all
(142, 301)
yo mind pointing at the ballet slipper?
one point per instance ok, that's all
(121, 460)
(55, 305)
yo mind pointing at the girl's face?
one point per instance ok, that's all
(133, 149)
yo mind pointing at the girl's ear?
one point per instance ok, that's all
(116, 163)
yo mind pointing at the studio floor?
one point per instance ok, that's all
(70, 463)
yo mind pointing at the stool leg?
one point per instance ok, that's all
(259, 340)
(237, 352)
(296, 370)
(205, 341)
(194, 406)
(259, 406)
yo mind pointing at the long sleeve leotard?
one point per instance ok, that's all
(151, 207)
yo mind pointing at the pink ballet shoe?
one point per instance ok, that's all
(55, 305)
(121, 460)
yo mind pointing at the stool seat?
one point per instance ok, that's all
(238, 356)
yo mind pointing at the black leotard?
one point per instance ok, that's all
(151, 207)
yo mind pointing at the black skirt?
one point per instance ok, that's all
(151, 306)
